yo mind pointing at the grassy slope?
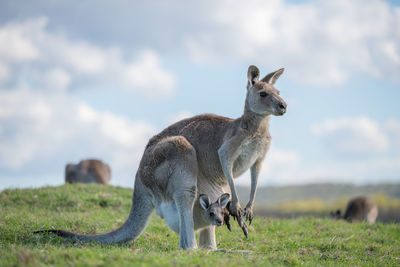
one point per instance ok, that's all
(96, 208)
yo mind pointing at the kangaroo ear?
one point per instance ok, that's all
(223, 200)
(273, 76)
(204, 201)
(253, 74)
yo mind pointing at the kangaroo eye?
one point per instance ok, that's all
(263, 94)
(212, 214)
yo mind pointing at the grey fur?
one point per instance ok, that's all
(201, 155)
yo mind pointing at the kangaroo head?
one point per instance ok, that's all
(71, 174)
(336, 215)
(214, 211)
(262, 97)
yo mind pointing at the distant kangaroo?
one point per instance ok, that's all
(359, 209)
(88, 171)
(201, 155)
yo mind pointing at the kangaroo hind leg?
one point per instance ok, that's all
(207, 238)
(184, 200)
(183, 186)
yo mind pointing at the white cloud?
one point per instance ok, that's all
(42, 128)
(357, 136)
(15, 42)
(289, 167)
(54, 60)
(392, 127)
(56, 79)
(147, 74)
(376, 147)
(321, 42)
(4, 72)
(379, 169)
(280, 166)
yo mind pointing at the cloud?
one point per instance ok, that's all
(45, 131)
(355, 150)
(280, 166)
(15, 43)
(351, 136)
(55, 61)
(4, 72)
(392, 127)
(56, 79)
(42, 126)
(290, 167)
(321, 42)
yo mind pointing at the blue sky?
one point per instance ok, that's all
(98, 78)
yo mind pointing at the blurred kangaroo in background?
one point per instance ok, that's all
(201, 155)
(359, 209)
(88, 171)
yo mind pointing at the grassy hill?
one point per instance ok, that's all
(98, 208)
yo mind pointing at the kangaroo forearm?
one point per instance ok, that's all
(253, 189)
(235, 197)
(252, 194)
(227, 169)
(254, 181)
(227, 155)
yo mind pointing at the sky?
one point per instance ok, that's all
(97, 79)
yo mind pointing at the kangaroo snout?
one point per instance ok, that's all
(218, 222)
(281, 107)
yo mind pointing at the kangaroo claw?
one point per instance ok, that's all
(243, 225)
(227, 220)
(239, 219)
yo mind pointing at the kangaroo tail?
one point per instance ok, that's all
(139, 215)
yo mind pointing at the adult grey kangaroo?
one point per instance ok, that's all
(201, 155)
(88, 171)
(359, 209)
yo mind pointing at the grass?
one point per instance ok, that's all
(98, 208)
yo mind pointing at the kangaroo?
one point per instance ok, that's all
(88, 171)
(201, 155)
(359, 209)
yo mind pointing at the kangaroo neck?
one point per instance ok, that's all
(254, 122)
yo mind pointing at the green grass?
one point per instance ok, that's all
(96, 208)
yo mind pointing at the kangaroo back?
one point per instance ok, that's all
(361, 208)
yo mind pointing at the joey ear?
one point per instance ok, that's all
(223, 200)
(273, 76)
(253, 74)
(204, 201)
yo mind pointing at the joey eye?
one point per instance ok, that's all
(263, 94)
(212, 214)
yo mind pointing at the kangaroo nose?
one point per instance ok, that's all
(282, 106)
(219, 222)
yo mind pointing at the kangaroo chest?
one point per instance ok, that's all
(249, 151)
